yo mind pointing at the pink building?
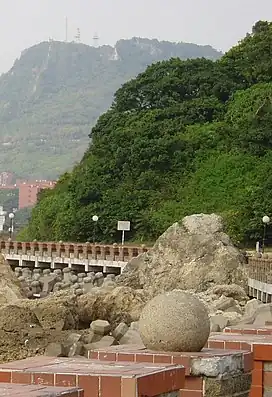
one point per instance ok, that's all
(28, 192)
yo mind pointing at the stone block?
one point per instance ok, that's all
(89, 338)
(100, 327)
(99, 279)
(219, 320)
(73, 338)
(73, 279)
(106, 341)
(55, 350)
(217, 365)
(48, 283)
(131, 337)
(224, 303)
(120, 331)
(76, 349)
(36, 287)
(232, 385)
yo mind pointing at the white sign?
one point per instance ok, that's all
(123, 226)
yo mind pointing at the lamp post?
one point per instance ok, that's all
(95, 220)
(11, 225)
(266, 220)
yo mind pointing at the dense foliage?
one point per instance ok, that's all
(183, 137)
(55, 92)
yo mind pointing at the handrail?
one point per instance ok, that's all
(87, 250)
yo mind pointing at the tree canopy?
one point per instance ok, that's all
(185, 136)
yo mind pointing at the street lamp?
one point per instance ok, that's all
(11, 227)
(95, 220)
(266, 220)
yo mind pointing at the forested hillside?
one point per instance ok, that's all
(183, 137)
(55, 92)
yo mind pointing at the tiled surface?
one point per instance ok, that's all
(260, 345)
(138, 354)
(194, 385)
(250, 329)
(255, 339)
(9, 390)
(97, 379)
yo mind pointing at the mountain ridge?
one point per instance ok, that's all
(55, 91)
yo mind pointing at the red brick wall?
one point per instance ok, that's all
(17, 390)
(95, 378)
(257, 340)
(194, 385)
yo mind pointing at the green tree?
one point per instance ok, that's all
(183, 137)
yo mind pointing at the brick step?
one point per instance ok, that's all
(17, 390)
(97, 378)
(250, 329)
(257, 340)
(201, 369)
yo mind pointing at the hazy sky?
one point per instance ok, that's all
(220, 23)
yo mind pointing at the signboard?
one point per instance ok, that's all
(123, 226)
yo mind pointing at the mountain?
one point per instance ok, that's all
(55, 92)
(183, 137)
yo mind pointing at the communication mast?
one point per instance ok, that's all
(77, 36)
(95, 40)
(66, 29)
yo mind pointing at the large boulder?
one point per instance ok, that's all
(194, 254)
(55, 312)
(121, 304)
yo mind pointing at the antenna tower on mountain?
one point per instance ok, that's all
(95, 40)
(78, 36)
(66, 29)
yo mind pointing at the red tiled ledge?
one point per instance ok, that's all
(97, 379)
(249, 329)
(261, 347)
(202, 369)
(128, 353)
(9, 390)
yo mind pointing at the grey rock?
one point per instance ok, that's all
(134, 326)
(224, 303)
(217, 366)
(194, 254)
(175, 321)
(73, 279)
(218, 322)
(79, 292)
(55, 350)
(100, 327)
(131, 337)
(106, 341)
(120, 331)
(76, 349)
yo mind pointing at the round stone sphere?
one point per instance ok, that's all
(176, 321)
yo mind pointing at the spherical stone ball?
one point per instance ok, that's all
(175, 321)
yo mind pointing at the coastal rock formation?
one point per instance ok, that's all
(194, 254)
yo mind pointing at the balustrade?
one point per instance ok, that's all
(260, 269)
(71, 250)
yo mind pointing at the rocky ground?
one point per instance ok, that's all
(79, 313)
